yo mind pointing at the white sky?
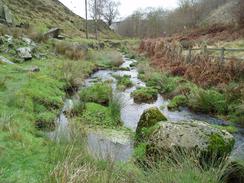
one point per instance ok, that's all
(126, 8)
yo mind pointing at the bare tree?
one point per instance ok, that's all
(110, 11)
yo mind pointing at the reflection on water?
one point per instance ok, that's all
(105, 148)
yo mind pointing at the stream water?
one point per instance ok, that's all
(103, 145)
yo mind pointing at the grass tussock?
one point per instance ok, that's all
(106, 59)
(71, 51)
(78, 166)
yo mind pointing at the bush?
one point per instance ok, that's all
(208, 101)
(145, 95)
(98, 93)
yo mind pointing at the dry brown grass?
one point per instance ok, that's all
(202, 70)
(71, 51)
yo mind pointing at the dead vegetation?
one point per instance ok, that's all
(202, 70)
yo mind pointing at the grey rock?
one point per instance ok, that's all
(189, 135)
(8, 15)
(5, 14)
(29, 42)
(25, 53)
(5, 60)
(53, 33)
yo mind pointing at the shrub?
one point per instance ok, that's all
(98, 93)
(209, 101)
(177, 102)
(145, 95)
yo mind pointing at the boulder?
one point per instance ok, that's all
(25, 53)
(5, 60)
(53, 33)
(189, 136)
(148, 119)
(6, 16)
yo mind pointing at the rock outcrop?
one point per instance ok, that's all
(189, 136)
(6, 16)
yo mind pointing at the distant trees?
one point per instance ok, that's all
(110, 11)
(158, 22)
(104, 10)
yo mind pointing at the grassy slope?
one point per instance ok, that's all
(44, 14)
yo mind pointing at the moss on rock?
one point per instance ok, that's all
(145, 95)
(219, 146)
(148, 120)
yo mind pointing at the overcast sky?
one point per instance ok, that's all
(126, 8)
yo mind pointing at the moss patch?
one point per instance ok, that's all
(218, 146)
(145, 95)
(148, 119)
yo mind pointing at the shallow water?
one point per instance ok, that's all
(103, 147)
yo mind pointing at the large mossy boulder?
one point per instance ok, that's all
(148, 120)
(189, 136)
(145, 95)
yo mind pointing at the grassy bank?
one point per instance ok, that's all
(30, 104)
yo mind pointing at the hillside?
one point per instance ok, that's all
(44, 14)
(224, 15)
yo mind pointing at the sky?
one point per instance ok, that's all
(126, 8)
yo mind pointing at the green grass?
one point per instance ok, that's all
(98, 93)
(123, 82)
(208, 101)
(145, 95)
(98, 115)
(176, 102)
(30, 103)
(106, 59)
